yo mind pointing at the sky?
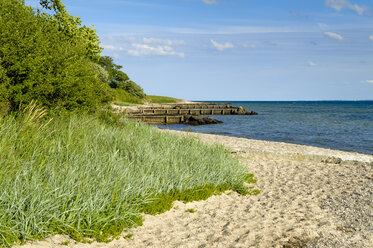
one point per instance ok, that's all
(238, 50)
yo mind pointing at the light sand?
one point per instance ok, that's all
(310, 197)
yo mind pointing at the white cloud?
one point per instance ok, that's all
(222, 46)
(334, 36)
(371, 37)
(312, 64)
(322, 26)
(163, 42)
(139, 46)
(108, 47)
(210, 2)
(145, 50)
(113, 48)
(369, 81)
(339, 5)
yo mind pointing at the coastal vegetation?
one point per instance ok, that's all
(68, 164)
(49, 56)
(92, 176)
(129, 100)
(161, 99)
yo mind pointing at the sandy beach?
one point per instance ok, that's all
(310, 197)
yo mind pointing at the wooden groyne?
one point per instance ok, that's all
(184, 113)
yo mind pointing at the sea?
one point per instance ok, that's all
(339, 125)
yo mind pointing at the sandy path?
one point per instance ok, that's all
(310, 197)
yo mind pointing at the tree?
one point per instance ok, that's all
(72, 27)
(38, 61)
(120, 80)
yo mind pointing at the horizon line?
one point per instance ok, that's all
(363, 100)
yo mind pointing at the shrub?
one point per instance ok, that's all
(132, 88)
(38, 61)
(120, 80)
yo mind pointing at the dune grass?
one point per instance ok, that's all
(92, 177)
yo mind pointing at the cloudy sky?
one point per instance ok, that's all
(238, 49)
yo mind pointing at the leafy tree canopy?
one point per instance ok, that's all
(38, 61)
(118, 79)
(72, 27)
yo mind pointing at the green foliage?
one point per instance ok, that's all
(92, 177)
(124, 96)
(128, 236)
(161, 99)
(38, 61)
(132, 88)
(120, 80)
(126, 104)
(65, 242)
(72, 27)
(101, 73)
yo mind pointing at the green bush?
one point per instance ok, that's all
(38, 61)
(101, 73)
(124, 96)
(120, 80)
(132, 88)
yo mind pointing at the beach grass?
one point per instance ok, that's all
(92, 176)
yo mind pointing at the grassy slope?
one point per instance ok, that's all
(129, 100)
(84, 177)
(161, 99)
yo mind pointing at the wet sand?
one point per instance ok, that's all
(310, 197)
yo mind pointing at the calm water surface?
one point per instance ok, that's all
(341, 125)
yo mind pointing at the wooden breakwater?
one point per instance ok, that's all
(184, 113)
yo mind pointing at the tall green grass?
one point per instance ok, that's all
(81, 176)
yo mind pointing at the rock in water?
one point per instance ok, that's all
(197, 120)
(252, 113)
(241, 111)
(209, 120)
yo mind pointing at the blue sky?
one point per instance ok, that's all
(238, 49)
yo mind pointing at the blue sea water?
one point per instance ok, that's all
(340, 125)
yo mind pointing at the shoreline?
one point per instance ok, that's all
(310, 197)
(265, 140)
(283, 149)
(339, 126)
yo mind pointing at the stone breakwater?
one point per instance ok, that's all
(184, 113)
